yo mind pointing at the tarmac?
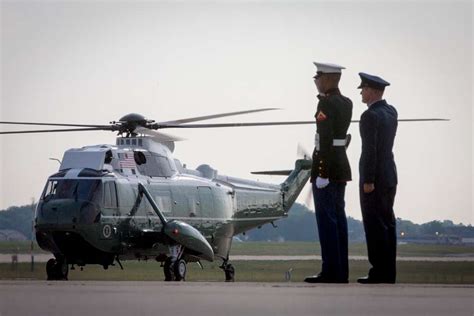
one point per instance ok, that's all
(6, 258)
(229, 299)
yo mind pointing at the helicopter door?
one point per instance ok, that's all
(207, 203)
(162, 198)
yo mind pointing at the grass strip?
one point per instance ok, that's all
(252, 271)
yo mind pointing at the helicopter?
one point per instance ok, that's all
(134, 200)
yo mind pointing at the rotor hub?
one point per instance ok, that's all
(128, 123)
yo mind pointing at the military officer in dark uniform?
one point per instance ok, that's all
(378, 179)
(329, 174)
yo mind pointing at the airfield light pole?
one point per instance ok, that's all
(32, 234)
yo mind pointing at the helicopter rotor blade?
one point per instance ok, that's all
(58, 130)
(158, 136)
(175, 124)
(160, 125)
(53, 124)
(213, 116)
(234, 124)
(423, 120)
(273, 172)
(301, 154)
(414, 120)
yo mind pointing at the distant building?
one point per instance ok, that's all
(439, 239)
(10, 234)
(467, 241)
(450, 239)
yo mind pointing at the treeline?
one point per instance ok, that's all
(299, 226)
(18, 218)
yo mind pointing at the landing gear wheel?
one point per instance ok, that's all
(229, 271)
(63, 269)
(57, 269)
(168, 269)
(180, 270)
(50, 269)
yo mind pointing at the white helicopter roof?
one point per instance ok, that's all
(121, 158)
(86, 157)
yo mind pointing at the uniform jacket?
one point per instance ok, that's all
(378, 126)
(333, 118)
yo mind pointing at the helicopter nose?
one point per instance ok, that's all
(68, 212)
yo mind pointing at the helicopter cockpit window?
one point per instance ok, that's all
(83, 190)
(50, 189)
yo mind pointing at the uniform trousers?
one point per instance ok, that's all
(332, 228)
(380, 231)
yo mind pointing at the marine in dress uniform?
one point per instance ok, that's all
(378, 180)
(329, 174)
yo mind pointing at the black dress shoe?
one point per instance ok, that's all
(323, 279)
(366, 280)
(373, 280)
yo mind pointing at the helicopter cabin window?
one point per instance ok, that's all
(110, 195)
(156, 165)
(108, 157)
(163, 201)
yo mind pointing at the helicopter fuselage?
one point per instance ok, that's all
(91, 212)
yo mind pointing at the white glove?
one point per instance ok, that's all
(321, 183)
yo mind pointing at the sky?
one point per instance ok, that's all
(90, 62)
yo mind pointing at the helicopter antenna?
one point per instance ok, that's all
(56, 159)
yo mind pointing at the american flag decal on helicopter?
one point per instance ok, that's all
(126, 160)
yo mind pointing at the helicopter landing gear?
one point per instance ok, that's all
(180, 270)
(229, 271)
(57, 269)
(175, 267)
(175, 270)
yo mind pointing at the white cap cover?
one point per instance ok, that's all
(327, 68)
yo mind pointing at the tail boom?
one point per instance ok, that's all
(295, 182)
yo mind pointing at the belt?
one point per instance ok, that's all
(339, 142)
(335, 142)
